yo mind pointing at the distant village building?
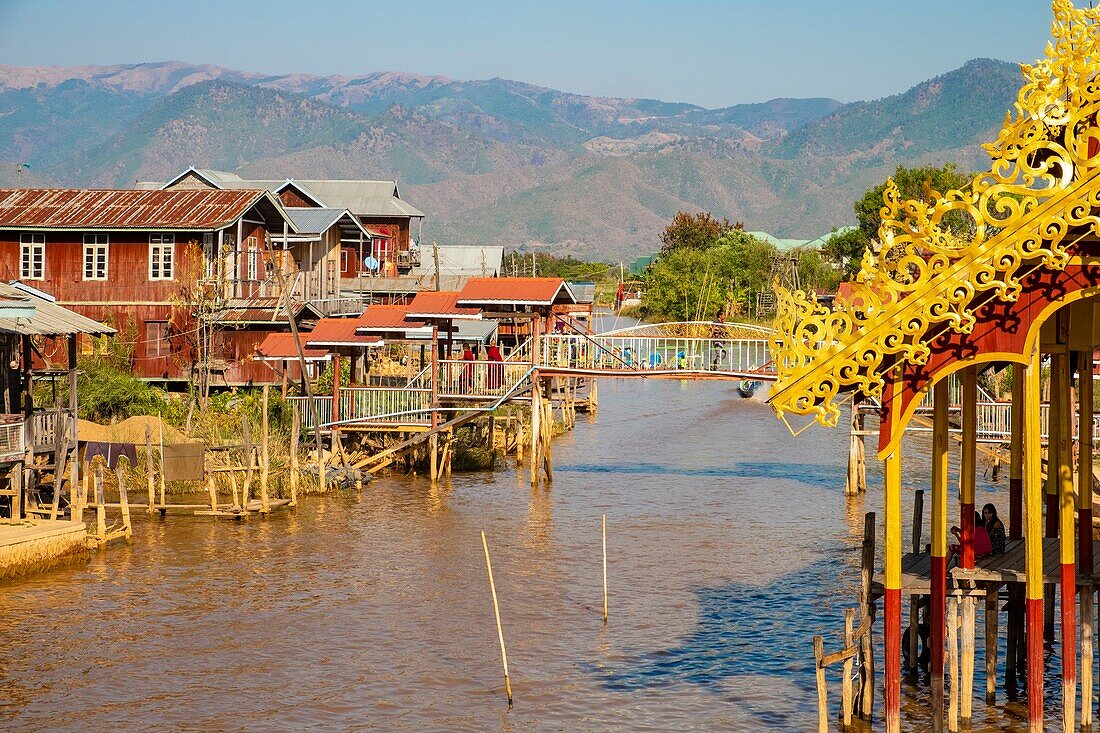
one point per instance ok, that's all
(388, 220)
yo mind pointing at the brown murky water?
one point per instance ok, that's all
(730, 545)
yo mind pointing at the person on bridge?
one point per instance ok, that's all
(467, 379)
(496, 366)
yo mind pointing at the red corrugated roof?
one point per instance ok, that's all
(281, 346)
(74, 208)
(339, 332)
(513, 291)
(386, 318)
(432, 304)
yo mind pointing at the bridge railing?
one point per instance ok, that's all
(460, 379)
(386, 405)
(641, 353)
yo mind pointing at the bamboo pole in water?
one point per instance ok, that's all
(991, 624)
(603, 533)
(953, 663)
(161, 472)
(100, 509)
(265, 456)
(496, 612)
(294, 456)
(124, 501)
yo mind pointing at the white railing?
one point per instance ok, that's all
(470, 379)
(385, 405)
(305, 414)
(640, 353)
(12, 438)
(954, 395)
(995, 422)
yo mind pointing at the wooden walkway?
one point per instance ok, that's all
(916, 568)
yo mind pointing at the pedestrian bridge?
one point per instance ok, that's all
(736, 352)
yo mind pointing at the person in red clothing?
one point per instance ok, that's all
(983, 547)
(466, 382)
(496, 366)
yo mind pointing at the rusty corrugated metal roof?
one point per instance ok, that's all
(280, 347)
(48, 319)
(489, 291)
(437, 305)
(339, 332)
(76, 208)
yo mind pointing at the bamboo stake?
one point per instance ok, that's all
(79, 497)
(213, 492)
(294, 457)
(150, 482)
(124, 501)
(536, 432)
(1088, 622)
(846, 680)
(991, 623)
(265, 457)
(247, 435)
(603, 533)
(496, 612)
(822, 691)
(966, 687)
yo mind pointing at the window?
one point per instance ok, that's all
(156, 339)
(32, 260)
(209, 256)
(96, 247)
(162, 255)
(253, 254)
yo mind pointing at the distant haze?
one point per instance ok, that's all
(712, 53)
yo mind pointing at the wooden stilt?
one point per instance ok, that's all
(160, 472)
(246, 438)
(212, 492)
(150, 481)
(846, 678)
(536, 427)
(967, 477)
(939, 548)
(867, 655)
(294, 440)
(1033, 515)
(547, 435)
(79, 495)
(914, 599)
(991, 611)
(955, 688)
(822, 690)
(100, 509)
(1084, 524)
(967, 613)
(265, 455)
(1060, 465)
(603, 538)
(1088, 627)
(124, 501)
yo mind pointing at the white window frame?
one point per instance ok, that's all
(252, 259)
(162, 344)
(162, 256)
(97, 246)
(32, 256)
(209, 256)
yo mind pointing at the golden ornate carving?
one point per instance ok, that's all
(922, 278)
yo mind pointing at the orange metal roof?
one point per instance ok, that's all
(439, 305)
(386, 318)
(75, 208)
(339, 332)
(514, 291)
(281, 346)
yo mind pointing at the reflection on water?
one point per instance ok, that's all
(730, 545)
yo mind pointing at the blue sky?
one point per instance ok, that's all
(707, 52)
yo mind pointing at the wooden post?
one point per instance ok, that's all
(867, 608)
(60, 437)
(246, 437)
(78, 495)
(891, 472)
(161, 471)
(536, 427)
(953, 663)
(846, 679)
(150, 481)
(965, 682)
(124, 501)
(1033, 540)
(822, 691)
(548, 433)
(991, 612)
(212, 492)
(914, 599)
(294, 439)
(1088, 629)
(939, 547)
(496, 612)
(100, 509)
(603, 536)
(1016, 449)
(1084, 525)
(857, 477)
(967, 477)
(265, 456)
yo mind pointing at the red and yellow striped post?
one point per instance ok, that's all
(1054, 425)
(1084, 523)
(891, 472)
(938, 594)
(1033, 544)
(1016, 448)
(1060, 465)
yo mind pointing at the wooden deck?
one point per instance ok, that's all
(916, 568)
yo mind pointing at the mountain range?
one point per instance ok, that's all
(498, 161)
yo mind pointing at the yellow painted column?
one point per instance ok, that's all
(1033, 543)
(891, 471)
(967, 472)
(938, 594)
(1067, 539)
